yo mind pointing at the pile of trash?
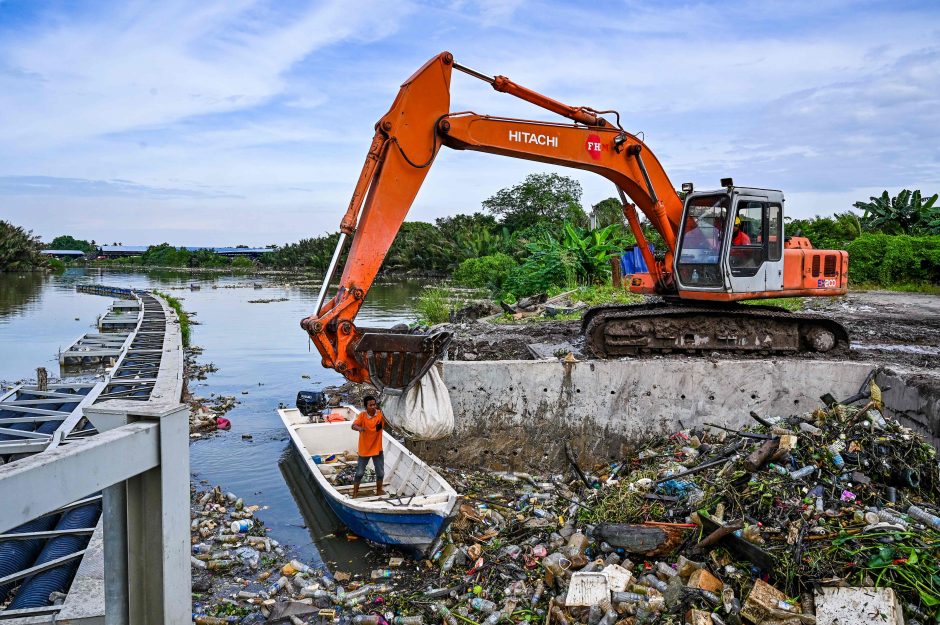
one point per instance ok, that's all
(828, 516)
(207, 414)
(714, 526)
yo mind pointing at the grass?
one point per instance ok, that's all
(177, 305)
(788, 303)
(597, 295)
(593, 295)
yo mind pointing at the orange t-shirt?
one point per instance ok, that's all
(370, 439)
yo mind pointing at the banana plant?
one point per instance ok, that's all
(906, 213)
(593, 249)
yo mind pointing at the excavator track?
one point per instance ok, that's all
(631, 330)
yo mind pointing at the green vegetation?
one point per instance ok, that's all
(789, 303)
(887, 260)
(19, 249)
(906, 213)
(434, 306)
(604, 294)
(67, 242)
(177, 305)
(486, 271)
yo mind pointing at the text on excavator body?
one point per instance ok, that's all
(530, 137)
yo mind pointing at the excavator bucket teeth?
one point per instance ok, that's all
(396, 362)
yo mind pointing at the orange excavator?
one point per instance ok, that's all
(721, 246)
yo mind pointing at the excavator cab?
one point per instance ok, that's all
(731, 241)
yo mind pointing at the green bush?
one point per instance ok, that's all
(549, 265)
(485, 272)
(434, 306)
(891, 260)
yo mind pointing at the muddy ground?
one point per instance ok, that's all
(888, 327)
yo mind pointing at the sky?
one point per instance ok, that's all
(225, 122)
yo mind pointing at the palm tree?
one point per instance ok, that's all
(19, 249)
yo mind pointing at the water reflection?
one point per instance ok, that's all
(263, 359)
(19, 290)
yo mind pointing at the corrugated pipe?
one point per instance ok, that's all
(16, 555)
(35, 591)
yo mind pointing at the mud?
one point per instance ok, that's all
(887, 327)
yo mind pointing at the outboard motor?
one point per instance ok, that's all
(310, 402)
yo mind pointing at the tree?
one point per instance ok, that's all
(540, 197)
(905, 213)
(68, 242)
(828, 232)
(609, 211)
(19, 249)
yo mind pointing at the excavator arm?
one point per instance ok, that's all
(406, 142)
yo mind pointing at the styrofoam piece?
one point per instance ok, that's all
(587, 589)
(858, 606)
(618, 578)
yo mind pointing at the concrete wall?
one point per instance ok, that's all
(914, 398)
(518, 414)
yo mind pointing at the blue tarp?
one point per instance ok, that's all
(631, 261)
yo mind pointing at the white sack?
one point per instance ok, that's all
(424, 412)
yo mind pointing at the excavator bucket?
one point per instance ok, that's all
(396, 362)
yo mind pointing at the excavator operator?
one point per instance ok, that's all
(738, 236)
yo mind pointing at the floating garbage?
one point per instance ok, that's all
(784, 522)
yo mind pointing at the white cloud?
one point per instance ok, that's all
(274, 104)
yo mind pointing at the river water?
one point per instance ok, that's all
(262, 356)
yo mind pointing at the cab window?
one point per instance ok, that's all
(756, 236)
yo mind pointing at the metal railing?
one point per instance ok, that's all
(135, 465)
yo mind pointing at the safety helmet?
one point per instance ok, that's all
(737, 221)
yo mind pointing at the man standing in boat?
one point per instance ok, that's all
(369, 424)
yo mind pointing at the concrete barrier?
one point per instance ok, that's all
(519, 414)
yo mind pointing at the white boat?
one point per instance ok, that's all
(417, 503)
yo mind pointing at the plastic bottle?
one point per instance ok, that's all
(202, 548)
(627, 597)
(654, 582)
(441, 609)
(277, 586)
(776, 468)
(219, 565)
(315, 593)
(579, 542)
(359, 592)
(366, 619)
(924, 517)
(408, 620)
(482, 605)
(556, 563)
(806, 471)
(381, 573)
(241, 526)
(539, 589)
(835, 450)
(665, 570)
(196, 562)
(890, 517)
(229, 538)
